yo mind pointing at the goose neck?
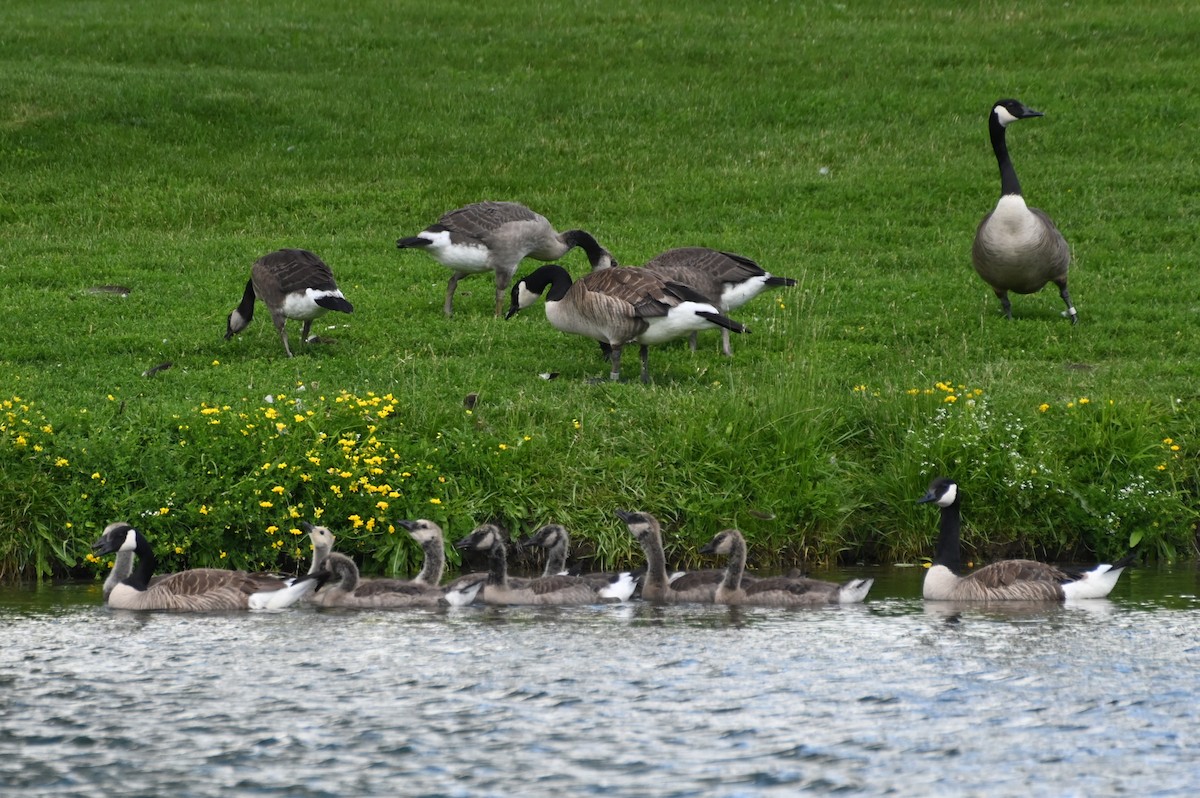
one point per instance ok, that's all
(735, 566)
(498, 559)
(144, 570)
(948, 551)
(435, 563)
(1009, 184)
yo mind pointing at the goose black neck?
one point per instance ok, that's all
(552, 275)
(948, 551)
(144, 570)
(498, 573)
(246, 307)
(584, 239)
(1009, 184)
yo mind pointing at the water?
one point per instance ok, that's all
(893, 697)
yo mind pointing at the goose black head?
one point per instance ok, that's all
(943, 492)
(1009, 111)
(117, 536)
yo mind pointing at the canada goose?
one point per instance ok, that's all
(293, 284)
(322, 542)
(619, 306)
(1018, 248)
(495, 236)
(1007, 580)
(556, 541)
(348, 591)
(655, 585)
(728, 280)
(197, 590)
(779, 591)
(559, 590)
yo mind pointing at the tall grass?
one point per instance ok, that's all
(164, 146)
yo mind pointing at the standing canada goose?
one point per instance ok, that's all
(1007, 580)
(779, 591)
(555, 540)
(726, 279)
(197, 590)
(495, 236)
(293, 284)
(656, 586)
(1018, 248)
(619, 306)
(348, 591)
(560, 590)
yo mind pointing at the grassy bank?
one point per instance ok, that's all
(162, 147)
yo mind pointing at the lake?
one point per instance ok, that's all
(891, 697)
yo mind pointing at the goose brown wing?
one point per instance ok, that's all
(552, 584)
(482, 218)
(298, 269)
(377, 587)
(1010, 572)
(637, 288)
(202, 581)
(797, 587)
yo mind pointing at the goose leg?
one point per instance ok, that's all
(725, 349)
(448, 307)
(304, 336)
(693, 340)
(1005, 305)
(502, 280)
(615, 355)
(1066, 297)
(645, 365)
(279, 322)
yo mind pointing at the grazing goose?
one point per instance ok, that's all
(619, 306)
(558, 590)
(1018, 248)
(197, 590)
(293, 284)
(1007, 580)
(779, 591)
(495, 236)
(555, 540)
(726, 279)
(348, 591)
(656, 586)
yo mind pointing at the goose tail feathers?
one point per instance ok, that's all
(621, 587)
(413, 242)
(463, 594)
(337, 303)
(287, 596)
(1098, 582)
(854, 591)
(722, 321)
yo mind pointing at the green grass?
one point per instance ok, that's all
(164, 146)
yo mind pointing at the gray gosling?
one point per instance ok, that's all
(557, 590)
(495, 237)
(195, 590)
(347, 591)
(293, 284)
(656, 586)
(1007, 580)
(779, 591)
(556, 541)
(1018, 248)
(618, 307)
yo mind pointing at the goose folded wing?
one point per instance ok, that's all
(797, 587)
(1010, 572)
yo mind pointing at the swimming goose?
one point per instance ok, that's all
(432, 541)
(619, 306)
(655, 584)
(555, 540)
(322, 542)
(779, 591)
(196, 590)
(293, 284)
(1007, 580)
(728, 280)
(349, 591)
(495, 236)
(560, 590)
(1018, 248)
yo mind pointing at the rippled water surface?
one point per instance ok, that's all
(895, 697)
